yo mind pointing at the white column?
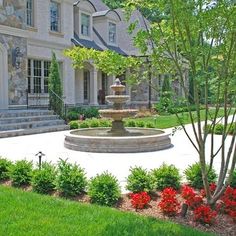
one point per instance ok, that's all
(94, 87)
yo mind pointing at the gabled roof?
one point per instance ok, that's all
(104, 13)
(126, 45)
(85, 43)
(113, 48)
(100, 6)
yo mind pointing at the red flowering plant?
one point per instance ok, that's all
(169, 204)
(140, 200)
(204, 214)
(212, 189)
(191, 198)
(229, 202)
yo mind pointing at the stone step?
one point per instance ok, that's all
(45, 129)
(31, 124)
(23, 113)
(11, 120)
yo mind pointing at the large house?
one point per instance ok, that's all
(30, 30)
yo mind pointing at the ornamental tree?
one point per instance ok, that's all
(107, 61)
(198, 35)
(55, 86)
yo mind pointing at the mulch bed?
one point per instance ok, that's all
(224, 225)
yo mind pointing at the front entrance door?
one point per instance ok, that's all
(86, 86)
(3, 78)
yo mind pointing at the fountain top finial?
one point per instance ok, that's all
(117, 81)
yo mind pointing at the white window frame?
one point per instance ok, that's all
(32, 77)
(88, 37)
(30, 14)
(109, 42)
(58, 17)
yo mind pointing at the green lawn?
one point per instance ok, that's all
(168, 121)
(25, 213)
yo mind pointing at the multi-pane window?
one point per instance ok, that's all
(54, 16)
(112, 32)
(29, 13)
(85, 24)
(86, 85)
(38, 74)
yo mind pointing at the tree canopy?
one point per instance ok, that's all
(198, 36)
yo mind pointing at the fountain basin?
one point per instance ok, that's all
(100, 140)
(117, 98)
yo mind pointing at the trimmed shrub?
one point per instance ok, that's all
(72, 115)
(219, 129)
(94, 123)
(166, 176)
(150, 125)
(104, 189)
(21, 173)
(194, 175)
(130, 123)
(71, 179)
(43, 180)
(104, 123)
(207, 129)
(140, 123)
(91, 112)
(139, 180)
(84, 125)
(5, 166)
(74, 125)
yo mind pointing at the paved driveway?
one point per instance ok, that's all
(181, 154)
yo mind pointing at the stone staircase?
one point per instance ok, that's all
(23, 122)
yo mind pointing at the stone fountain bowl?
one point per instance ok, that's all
(118, 114)
(121, 99)
(101, 141)
(118, 88)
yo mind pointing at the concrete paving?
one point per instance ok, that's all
(181, 154)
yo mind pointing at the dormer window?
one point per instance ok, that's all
(112, 33)
(85, 24)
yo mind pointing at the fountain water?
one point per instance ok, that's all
(117, 139)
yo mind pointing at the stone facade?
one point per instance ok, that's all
(12, 13)
(17, 57)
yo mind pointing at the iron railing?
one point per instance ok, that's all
(50, 100)
(57, 104)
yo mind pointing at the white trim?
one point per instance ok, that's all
(3, 77)
(48, 44)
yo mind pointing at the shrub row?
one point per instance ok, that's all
(166, 176)
(81, 112)
(219, 129)
(94, 123)
(90, 123)
(70, 179)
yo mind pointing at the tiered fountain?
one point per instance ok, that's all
(117, 139)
